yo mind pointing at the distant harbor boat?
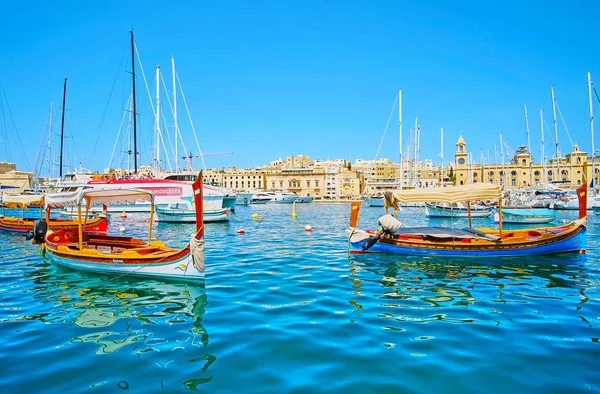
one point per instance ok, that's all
(184, 212)
(455, 210)
(304, 199)
(525, 215)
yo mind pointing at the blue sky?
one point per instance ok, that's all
(268, 79)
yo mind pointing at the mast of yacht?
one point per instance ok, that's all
(135, 166)
(590, 84)
(416, 148)
(555, 135)
(544, 175)
(400, 127)
(175, 115)
(62, 130)
(442, 155)
(157, 121)
(528, 146)
(503, 180)
(49, 143)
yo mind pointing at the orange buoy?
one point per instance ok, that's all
(241, 231)
(123, 215)
(308, 228)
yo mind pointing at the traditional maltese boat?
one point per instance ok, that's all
(465, 242)
(98, 223)
(82, 250)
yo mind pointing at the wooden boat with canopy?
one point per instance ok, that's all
(465, 242)
(26, 224)
(80, 249)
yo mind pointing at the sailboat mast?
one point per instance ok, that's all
(157, 121)
(590, 84)
(134, 107)
(62, 130)
(544, 175)
(175, 115)
(400, 126)
(502, 153)
(442, 156)
(555, 136)
(528, 145)
(49, 144)
(416, 147)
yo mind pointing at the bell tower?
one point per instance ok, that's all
(461, 162)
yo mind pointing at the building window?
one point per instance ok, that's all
(281, 184)
(514, 182)
(460, 149)
(524, 162)
(513, 173)
(307, 183)
(316, 183)
(536, 173)
(273, 184)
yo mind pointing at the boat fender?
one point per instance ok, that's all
(389, 224)
(40, 228)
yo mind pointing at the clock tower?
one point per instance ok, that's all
(461, 166)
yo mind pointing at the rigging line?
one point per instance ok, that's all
(549, 132)
(119, 133)
(564, 124)
(97, 133)
(172, 112)
(145, 81)
(161, 138)
(168, 138)
(15, 126)
(597, 97)
(191, 123)
(4, 130)
(386, 127)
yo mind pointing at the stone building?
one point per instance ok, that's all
(567, 171)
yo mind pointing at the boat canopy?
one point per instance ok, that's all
(99, 197)
(21, 201)
(450, 194)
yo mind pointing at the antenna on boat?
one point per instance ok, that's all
(590, 84)
(62, 130)
(134, 109)
(528, 145)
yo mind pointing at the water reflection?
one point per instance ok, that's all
(141, 317)
(428, 289)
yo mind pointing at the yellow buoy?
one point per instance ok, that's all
(254, 215)
(294, 210)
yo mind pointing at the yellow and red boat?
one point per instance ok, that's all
(83, 250)
(465, 242)
(24, 224)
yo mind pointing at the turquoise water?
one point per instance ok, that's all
(284, 311)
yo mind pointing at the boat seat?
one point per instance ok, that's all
(482, 234)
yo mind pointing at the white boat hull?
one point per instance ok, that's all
(182, 269)
(187, 216)
(374, 202)
(442, 212)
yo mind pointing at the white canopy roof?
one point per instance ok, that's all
(450, 194)
(99, 196)
(21, 200)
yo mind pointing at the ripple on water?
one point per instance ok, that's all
(283, 310)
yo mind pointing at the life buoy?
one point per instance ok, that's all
(565, 199)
